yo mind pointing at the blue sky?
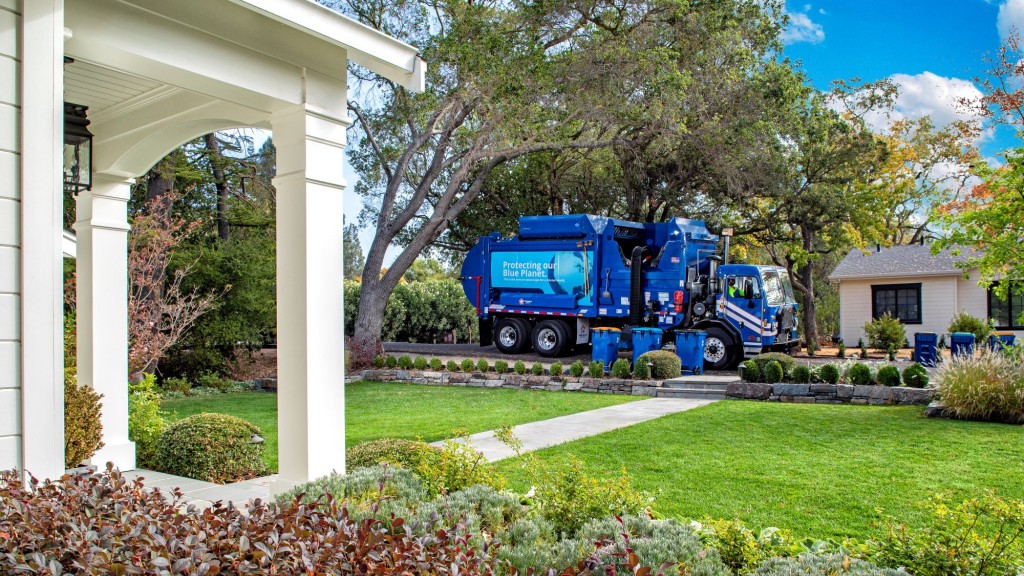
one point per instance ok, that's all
(933, 50)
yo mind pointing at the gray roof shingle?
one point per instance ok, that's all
(908, 260)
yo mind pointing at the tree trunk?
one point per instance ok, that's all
(217, 164)
(161, 178)
(373, 300)
(807, 279)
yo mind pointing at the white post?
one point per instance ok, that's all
(310, 330)
(42, 324)
(102, 267)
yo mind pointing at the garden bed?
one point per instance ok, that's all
(518, 381)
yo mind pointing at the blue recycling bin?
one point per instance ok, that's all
(924, 348)
(645, 340)
(1001, 340)
(690, 349)
(961, 344)
(606, 345)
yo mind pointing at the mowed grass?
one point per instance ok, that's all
(386, 410)
(819, 471)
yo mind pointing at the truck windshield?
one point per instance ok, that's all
(774, 288)
(787, 285)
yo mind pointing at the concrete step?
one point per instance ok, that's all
(676, 384)
(694, 393)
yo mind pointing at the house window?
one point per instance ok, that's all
(1006, 311)
(902, 301)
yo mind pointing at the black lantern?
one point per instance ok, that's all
(77, 149)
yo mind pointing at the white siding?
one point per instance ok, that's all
(938, 305)
(973, 299)
(10, 227)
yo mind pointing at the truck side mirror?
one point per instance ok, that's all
(748, 288)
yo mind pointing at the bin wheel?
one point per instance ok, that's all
(512, 335)
(719, 350)
(551, 338)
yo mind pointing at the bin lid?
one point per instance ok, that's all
(643, 329)
(1005, 333)
(605, 329)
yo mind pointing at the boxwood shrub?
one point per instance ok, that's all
(642, 370)
(537, 369)
(750, 371)
(889, 375)
(596, 369)
(785, 361)
(83, 432)
(451, 366)
(620, 369)
(390, 361)
(500, 366)
(829, 373)
(396, 451)
(436, 365)
(212, 447)
(915, 376)
(665, 364)
(420, 363)
(773, 373)
(801, 374)
(520, 367)
(556, 369)
(859, 374)
(482, 365)
(404, 362)
(468, 365)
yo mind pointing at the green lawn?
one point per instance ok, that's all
(820, 471)
(377, 410)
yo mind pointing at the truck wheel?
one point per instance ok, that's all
(550, 338)
(719, 350)
(512, 335)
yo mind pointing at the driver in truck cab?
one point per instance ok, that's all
(732, 287)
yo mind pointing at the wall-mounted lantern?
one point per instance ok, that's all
(77, 149)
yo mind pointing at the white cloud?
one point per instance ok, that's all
(802, 29)
(1011, 16)
(928, 94)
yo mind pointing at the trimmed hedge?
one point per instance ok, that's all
(664, 364)
(915, 376)
(212, 447)
(395, 451)
(785, 361)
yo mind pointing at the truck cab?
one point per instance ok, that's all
(757, 306)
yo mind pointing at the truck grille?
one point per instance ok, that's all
(787, 319)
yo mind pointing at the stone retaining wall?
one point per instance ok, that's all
(517, 381)
(829, 393)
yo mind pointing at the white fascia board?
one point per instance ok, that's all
(904, 275)
(376, 51)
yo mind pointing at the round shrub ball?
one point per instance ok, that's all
(451, 366)
(750, 371)
(405, 363)
(537, 369)
(889, 376)
(556, 369)
(915, 376)
(785, 360)
(801, 374)
(519, 367)
(213, 447)
(436, 365)
(468, 365)
(665, 364)
(420, 363)
(829, 373)
(773, 372)
(390, 362)
(642, 370)
(500, 366)
(394, 451)
(860, 374)
(576, 369)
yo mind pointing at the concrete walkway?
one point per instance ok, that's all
(537, 435)
(534, 436)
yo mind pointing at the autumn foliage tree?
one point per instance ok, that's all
(160, 311)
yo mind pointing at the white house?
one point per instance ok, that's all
(155, 74)
(922, 290)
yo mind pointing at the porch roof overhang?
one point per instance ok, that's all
(156, 73)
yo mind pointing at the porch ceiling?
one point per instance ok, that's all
(101, 88)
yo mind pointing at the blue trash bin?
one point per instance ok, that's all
(645, 340)
(1001, 340)
(606, 345)
(961, 344)
(924, 348)
(690, 349)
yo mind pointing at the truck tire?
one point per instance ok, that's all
(551, 338)
(512, 335)
(719, 350)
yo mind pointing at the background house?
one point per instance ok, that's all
(922, 290)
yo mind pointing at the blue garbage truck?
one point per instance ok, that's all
(564, 275)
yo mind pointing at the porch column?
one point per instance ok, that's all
(102, 267)
(310, 330)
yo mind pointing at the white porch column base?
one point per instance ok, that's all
(310, 330)
(102, 231)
